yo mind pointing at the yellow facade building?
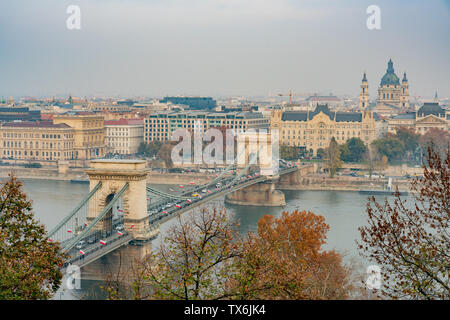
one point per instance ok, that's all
(36, 141)
(89, 133)
(313, 130)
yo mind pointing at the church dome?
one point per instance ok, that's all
(390, 77)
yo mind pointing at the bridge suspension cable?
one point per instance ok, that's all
(73, 241)
(165, 195)
(74, 211)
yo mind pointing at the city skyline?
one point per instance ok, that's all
(218, 48)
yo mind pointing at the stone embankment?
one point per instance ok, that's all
(307, 182)
(343, 183)
(79, 174)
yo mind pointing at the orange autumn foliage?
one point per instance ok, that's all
(285, 260)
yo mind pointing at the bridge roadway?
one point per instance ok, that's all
(114, 240)
(215, 193)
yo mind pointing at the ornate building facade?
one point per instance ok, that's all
(89, 133)
(36, 141)
(430, 115)
(313, 130)
(393, 96)
(391, 92)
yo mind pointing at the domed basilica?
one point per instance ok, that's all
(393, 96)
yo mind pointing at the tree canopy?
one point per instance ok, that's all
(411, 244)
(204, 258)
(353, 150)
(29, 263)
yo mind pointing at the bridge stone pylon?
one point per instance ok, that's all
(114, 174)
(263, 145)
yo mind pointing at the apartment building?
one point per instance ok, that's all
(160, 126)
(124, 136)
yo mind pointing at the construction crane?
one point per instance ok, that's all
(289, 95)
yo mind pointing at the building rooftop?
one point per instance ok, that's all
(406, 116)
(123, 122)
(206, 114)
(333, 115)
(35, 124)
(431, 108)
(323, 98)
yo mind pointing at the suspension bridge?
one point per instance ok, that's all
(121, 208)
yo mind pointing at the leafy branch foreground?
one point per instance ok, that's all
(204, 258)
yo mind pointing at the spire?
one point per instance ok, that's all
(436, 97)
(390, 66)
(364, 79)
(404, 77)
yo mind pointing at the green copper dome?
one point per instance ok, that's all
(390, 77)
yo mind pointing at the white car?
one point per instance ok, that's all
(81, 244)
(119, 227)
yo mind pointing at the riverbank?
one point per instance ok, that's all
(79, 175)
(313, 182)
(321, 182)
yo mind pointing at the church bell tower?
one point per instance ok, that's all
(364, 94)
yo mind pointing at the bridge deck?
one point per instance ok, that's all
(96, 251)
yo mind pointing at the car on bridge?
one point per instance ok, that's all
(119, 227)
(81, 244)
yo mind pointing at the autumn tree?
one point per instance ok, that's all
(411, 243)
(165, 154)
(196, 259)
(375, 161)
(333, 155)
(285, 259)
(437, 138)
(29, 263)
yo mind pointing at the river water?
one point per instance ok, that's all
(344, 212)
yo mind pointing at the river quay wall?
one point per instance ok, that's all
(308, 182)
(343, 183)
(80, 175)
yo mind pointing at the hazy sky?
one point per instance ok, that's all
(220, 47)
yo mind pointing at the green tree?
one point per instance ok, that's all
(409, 138)
(353, 150)
(321, 153)
(289, 152)
(391, 147)
(149, 149)
(29, 263)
